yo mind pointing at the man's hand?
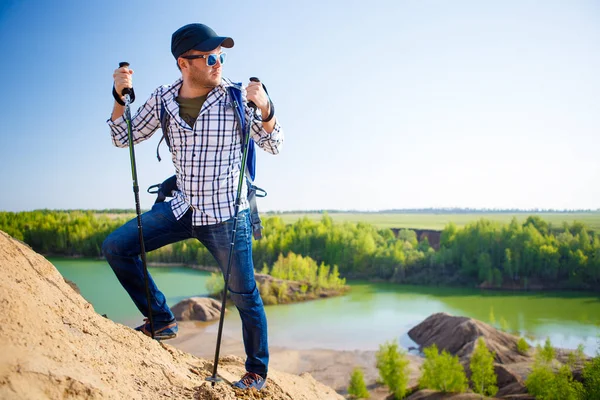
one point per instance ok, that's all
(122, 77)
(256, 93)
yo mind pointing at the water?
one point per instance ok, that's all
(368, 315)
(99, 285)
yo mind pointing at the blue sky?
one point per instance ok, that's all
(385, 104)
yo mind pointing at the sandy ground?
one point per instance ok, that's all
(55, 346)
(330, 367)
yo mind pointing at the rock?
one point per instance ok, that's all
(293, 286)
(510, 379)
(458, 336)
(197, 309)
(73, 286)
(427, 394)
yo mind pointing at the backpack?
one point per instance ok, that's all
(169, 186)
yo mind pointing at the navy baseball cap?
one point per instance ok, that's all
(198, 37)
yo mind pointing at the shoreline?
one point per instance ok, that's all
(506, 288)
(330, 367)
(197, 267)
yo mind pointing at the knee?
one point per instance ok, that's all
(246, 301)
(111, 247)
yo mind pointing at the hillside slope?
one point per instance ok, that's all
(55, 346)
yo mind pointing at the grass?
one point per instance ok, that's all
(433, 221)
(439, 221)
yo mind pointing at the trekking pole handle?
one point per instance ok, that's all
(254, 108)
(251, 103)
(125, 91)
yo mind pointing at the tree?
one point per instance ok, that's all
(591, 378)
(538, 222)
(393, 368)
(442, 372)
(547, 353)
(565, 387)
(358, 388)
(482, 370)
(544, 384)
(540, 380)
(522, 346)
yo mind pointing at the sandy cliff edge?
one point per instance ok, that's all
(56, 346)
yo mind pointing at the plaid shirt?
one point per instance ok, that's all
(207, 157)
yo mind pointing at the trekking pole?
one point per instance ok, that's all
(246, 141)
(136, 191)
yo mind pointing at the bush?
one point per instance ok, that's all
(295, 267)
(523, 346)
(266, 294)
(547, 353)
(591, 378)
(357, 388)
(576, 356)
(544, 384)
(281, 292)
(482, 370)
(565, 387)
(540, 380)
(215, 283)
(393, 368)
(442, 372)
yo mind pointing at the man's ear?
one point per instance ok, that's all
(182, 62)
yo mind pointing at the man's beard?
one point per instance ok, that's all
(198, 82)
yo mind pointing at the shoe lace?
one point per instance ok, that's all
(250, 377)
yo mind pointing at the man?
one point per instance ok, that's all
(206, 150)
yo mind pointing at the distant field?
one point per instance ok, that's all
(127, 216)
(423, 221)
(439, 221)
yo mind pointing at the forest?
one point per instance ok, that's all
(532, 254)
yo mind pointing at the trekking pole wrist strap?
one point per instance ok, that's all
(118, 98)
(271, 112)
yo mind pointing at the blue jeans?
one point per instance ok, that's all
(122, 249)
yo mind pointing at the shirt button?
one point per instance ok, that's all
(193, 155)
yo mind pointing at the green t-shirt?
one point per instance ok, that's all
(190, 108)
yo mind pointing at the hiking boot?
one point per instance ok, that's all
(162, 330)
(251, 380)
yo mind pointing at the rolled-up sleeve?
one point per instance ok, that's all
(269, 142)
(144, 123)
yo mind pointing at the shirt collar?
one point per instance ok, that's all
(172, 91)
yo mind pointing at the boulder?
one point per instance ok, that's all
(197, 309)
(458, 336)
(511, 380)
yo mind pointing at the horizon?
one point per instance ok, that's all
(407, 105)
(453, 210)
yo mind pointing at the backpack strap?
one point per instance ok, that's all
(164, 126)
(235, 94)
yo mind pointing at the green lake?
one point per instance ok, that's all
(370, 314)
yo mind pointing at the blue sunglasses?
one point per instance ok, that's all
(211, 59)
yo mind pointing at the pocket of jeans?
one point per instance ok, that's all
(186, 221)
